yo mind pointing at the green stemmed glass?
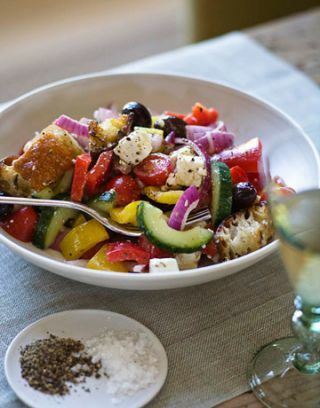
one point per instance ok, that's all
(286, 372)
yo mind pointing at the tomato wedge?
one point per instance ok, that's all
(246, 155)
(126, 188)
(154, 251)
(154, 169)
(98, 173)
(21, 224)
(80, 176)
(238, 175)
(127, 251)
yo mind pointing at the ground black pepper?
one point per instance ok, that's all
(48, 364)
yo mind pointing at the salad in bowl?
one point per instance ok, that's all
(146, 170)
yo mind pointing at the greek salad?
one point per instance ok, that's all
(146, 170)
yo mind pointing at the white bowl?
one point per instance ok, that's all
(296, 160)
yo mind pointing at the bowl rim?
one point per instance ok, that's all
(74, 269)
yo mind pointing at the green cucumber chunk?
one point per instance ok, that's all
(104, 202)
(153, 223)
(50, 224)
(63, 186)
(221, 200)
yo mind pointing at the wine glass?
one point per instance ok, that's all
(286, 372)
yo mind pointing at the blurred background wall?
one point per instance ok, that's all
(46, 40)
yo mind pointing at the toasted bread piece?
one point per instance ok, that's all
(12, 183)
(47, 158)
(244, 232)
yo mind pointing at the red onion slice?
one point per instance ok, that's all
(102, 114)
(72, 125)
(186, 203)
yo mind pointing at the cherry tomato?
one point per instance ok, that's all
(127, 251)
(246, 155)
(238, 175)
(21, 224)
(126, 188)
(154, 169)
(154, 251)
(210, 249)
(190, 119)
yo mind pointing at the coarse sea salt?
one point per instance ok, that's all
(127, 359)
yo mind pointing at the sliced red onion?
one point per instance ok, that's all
(220, 125)
(156, 142)
(170, 138)
(59, 238)
(85, 121)
(72, 125)
(186, 203)
(194, 132)
(215, 141)
(102, 114)
(83, 141)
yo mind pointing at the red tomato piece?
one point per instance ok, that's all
(213, 115)
(21, 224)
(190, 120)
(238, 175)
(210, 250)
(127, 251)
(201, 113)
(246, 155)
(97, 175)
(153, 250)
(257, 180)
(154, 169)
(126, 188)
(177, 115)
(80, 176)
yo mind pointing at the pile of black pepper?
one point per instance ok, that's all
(49, 364)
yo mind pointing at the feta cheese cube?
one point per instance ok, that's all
(160, 265)
(189, 171)
(135, 147)
(188, 261)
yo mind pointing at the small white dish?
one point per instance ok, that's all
(296, 160)
(81, 325)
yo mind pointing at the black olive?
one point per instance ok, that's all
(5, 209)
(171, 124)
(141, 115)
(243, 195)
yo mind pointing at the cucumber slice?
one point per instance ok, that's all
(49, 225)
(152, 221)
(221, 202)
(104, 202)
(63, 186)
(46, 193)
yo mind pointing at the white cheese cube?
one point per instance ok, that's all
(135, 147)
(189, 171)
(160, 265)
(188, 261)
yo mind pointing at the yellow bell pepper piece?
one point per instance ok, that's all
(154, 119)
(163, 197)
(81, 219)
(125, 215)
(82, 238)
(100, 262)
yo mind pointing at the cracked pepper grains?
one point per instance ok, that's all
(48, 364)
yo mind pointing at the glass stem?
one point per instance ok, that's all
(306, 327)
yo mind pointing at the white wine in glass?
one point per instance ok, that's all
(286, 372)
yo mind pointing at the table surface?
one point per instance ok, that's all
(296, 39)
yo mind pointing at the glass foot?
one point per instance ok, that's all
(277, 383)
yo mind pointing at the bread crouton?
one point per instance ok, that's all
(12, 183)
(47, 158)
(244, 232)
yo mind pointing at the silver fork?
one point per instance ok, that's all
(201, 215)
